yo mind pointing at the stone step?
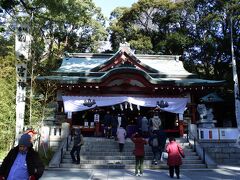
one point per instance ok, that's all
(89, 140)
(99, 162)
(124, 161)
(89, 153)
(122, 166)
(104, 153)
(116, 148)
(129, 153)
(114, 157)
(188, 159)
(93, 166)
(188, 155)
(107, 157)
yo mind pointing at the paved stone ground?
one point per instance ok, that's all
(222, 172)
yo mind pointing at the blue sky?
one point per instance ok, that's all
(108, 6)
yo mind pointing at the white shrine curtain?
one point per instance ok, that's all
(75, 103)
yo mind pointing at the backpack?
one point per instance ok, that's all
(155, 142)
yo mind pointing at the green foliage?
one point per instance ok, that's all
(3, 154)
(7, 100)
(56, 27)
(197, 30)
(142, 44)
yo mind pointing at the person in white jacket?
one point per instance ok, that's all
(121, 135)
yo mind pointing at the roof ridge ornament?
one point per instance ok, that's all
(125, 46)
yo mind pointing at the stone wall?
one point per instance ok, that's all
(223, 152)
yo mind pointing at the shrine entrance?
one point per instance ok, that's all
(85, 119)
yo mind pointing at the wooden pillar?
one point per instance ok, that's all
(97, 128)
(194, 110)
(181, 128)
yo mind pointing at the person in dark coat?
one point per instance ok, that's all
(114, 126)
(107, 124)
(175, 154)
(22, 162)
(145, 126)
(139, 142)
(124, 121)
(154, 142)
(162, 136)
(77, 143)
(139, 123)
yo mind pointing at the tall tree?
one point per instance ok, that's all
(56, 27)
(7, 94)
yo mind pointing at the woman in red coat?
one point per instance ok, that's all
(175, 154)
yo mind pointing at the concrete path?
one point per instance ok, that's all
(222, 172)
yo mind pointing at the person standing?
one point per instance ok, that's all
(121, 135)
(107, 124)
(115, 122)
(145, 127)
(155, 122)
(77, 143)
(162, 136)
(175, 154)
(139, 122)
(22, 162)
(124, 120)
(139, 142)
(155, 145)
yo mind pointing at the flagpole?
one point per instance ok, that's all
(236, 84)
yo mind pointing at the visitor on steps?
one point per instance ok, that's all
(145, 127)
(77, 143)
(139, 142)
(107, 124)
(114, 124)
(154, 142)
(121, 135)
(155, 123)
(162, 136)
(175, 155)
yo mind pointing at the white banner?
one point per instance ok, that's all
(76, 103)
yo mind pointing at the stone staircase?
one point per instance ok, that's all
(103, 153)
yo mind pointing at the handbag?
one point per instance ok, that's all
(164, 156)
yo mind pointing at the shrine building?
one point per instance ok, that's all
(129, 85)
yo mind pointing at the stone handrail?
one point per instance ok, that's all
(56, 159)
(210, 163)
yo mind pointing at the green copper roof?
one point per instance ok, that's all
(163, 64)
(157, 69)
(80, 64)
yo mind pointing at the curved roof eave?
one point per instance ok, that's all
(166, 80)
